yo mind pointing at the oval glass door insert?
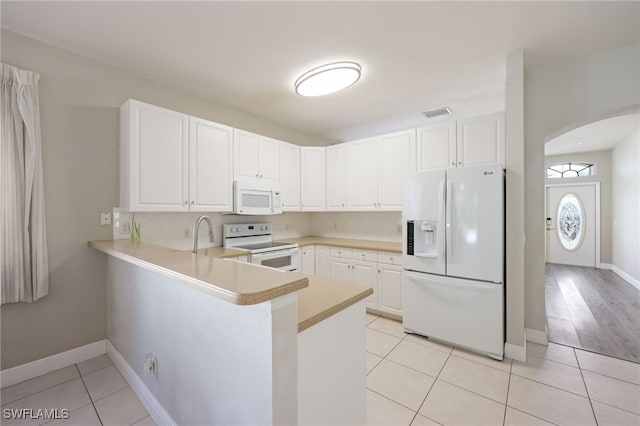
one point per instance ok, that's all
(570, 222)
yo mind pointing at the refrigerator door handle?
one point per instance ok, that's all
(441, 213)
(449, 203)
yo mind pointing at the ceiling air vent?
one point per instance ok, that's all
(437, 112)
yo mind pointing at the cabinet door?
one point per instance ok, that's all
(269, 159)
(154, 158)
(481, 140)
(396, 158)
(366, 273)
(210, 172)
(362, 175)
(308, 262)
(290, 176)
(323, 264)
(340, 269)
(245, 155)
(312, 178)
(436, 147)
(336, 176)
(390, 289)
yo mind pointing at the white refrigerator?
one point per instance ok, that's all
(453, 257)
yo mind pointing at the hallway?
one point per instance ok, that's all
(593, 309)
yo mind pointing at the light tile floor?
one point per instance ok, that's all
(411, 380)
(93, 391)
(415, 381)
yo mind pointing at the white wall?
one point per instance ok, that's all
(602, 160)
(217, 363)
(381, 226)
(175, 229)
(80, 100)
(557, 97)
(625, 165)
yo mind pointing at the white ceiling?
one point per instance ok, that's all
(598, 136)
(415, 56)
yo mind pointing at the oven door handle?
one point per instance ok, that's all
(276, 253)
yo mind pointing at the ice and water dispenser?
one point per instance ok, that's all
(422, 238)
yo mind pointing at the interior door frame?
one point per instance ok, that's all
(596, 185)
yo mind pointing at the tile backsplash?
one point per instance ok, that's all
(174, 230)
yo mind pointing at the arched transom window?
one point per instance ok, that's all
(569, 170)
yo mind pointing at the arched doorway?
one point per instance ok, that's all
(592, 298)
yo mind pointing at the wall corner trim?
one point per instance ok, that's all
(150, 403)
(518, 353)
(537, 336)
(20, 373)
(622, 274)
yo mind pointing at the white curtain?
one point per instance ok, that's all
(23, 244)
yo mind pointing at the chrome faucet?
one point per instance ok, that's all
(196, 226)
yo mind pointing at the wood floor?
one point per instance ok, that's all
(593, 309)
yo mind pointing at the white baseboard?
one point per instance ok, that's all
(536, 336)
(604, 266)
(518, 353)
(36, 368)
(628, 278)
(150, 403)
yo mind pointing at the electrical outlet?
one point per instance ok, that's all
(150, 364)
(105, 219)
(124, 228)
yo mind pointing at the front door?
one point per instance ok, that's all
(571, 225)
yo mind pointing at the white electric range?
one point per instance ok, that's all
(257, 238)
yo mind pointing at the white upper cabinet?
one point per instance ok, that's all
(269, 158)
(210, 171)
(481, 140)
(290, 176)
(396, 158)
(312, 186)
(255, 156)
(437, 146)
(154, 158)
(336, 176)
(362, 175)
(467, 142)
(376, 168)
(172, 162)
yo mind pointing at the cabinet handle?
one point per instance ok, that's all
(453, 163)
(193, 202)
(342, 204)
(186, 202)
(260, 175)
(459, 163)
(257, 175)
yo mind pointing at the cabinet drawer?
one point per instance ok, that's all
(370, 255)
(344, 253)
(390, 258)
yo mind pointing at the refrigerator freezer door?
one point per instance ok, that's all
(475, 223)
(423, 219)
(462, 312)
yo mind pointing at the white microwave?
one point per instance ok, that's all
(256, 198)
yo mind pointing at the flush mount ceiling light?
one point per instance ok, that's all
(437, 112)
(327, 79)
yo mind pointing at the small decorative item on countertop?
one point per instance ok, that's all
(134, 230)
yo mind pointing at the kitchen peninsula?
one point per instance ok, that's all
(235, 343)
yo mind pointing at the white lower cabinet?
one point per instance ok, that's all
(323, 264)
(390, 288)
(380, 271)
(308, 261)
(366, 273)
